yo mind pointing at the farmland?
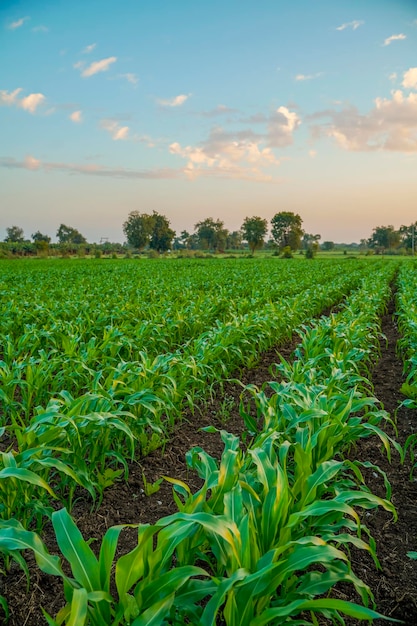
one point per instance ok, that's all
(105, 364)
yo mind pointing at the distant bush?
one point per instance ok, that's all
(286, 253)
(152, 254)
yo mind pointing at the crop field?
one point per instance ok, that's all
(208, 441)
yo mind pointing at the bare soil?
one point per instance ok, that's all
(394, 586)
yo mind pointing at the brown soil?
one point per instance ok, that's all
(394, 586)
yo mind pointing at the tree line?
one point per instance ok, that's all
(153, 231)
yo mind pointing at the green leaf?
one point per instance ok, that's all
(156, 614)
(27, 476)
(84, 564)
(106, 556)
(296, 607)
(79, 608)
(5, 607)
(14, 537)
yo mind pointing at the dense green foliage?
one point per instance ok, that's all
(98, 359)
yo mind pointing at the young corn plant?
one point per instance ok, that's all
(137, 589)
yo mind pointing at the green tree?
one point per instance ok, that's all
(254, 230)
(67, 234)
(327, 245)
(384, 238)
(311, 242)
(287, 230)
(161, 234)
(137, 229)
(234, 240)
(14, 234)
(211, 234)
(38, 237)
(408, 235)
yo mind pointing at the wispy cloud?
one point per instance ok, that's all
(219, 110)
(76, 117)
(148, 140)
(410, 78)
(9, 98)
(89, 48)
(28, 103)
(398, 37)
(131, 78)
(30, 163)
(116, 131)
(240, 154)
(391, 125)
(33, 164)
(174, 102)
(18, 23)
(40, 29)
(301, 77)
(222, 158)
(353, 25)
(95, 67)
(281, 127)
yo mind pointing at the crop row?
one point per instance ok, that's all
(267, 536)
(407, 324)
(83, 436)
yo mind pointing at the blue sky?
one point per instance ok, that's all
(196, 109)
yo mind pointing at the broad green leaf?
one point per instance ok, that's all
(84, 564)
(27, 476)
(15, 537)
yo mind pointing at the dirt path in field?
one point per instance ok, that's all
(395, 587)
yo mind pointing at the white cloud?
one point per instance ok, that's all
(281, 127)
(410, 78)
(174, 102)
(18, 23)
(301, 77)
(31, 102)
(312, 153)
(31, 163)
(9, 98)
(40, 29)
(116, 131)
(97, 66)
(393, 76)
(398, 37)
(238, 155)
(391, 125)
(89, 48)
(353, 25)
(76, 117)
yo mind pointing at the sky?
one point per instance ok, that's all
(193, 108)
